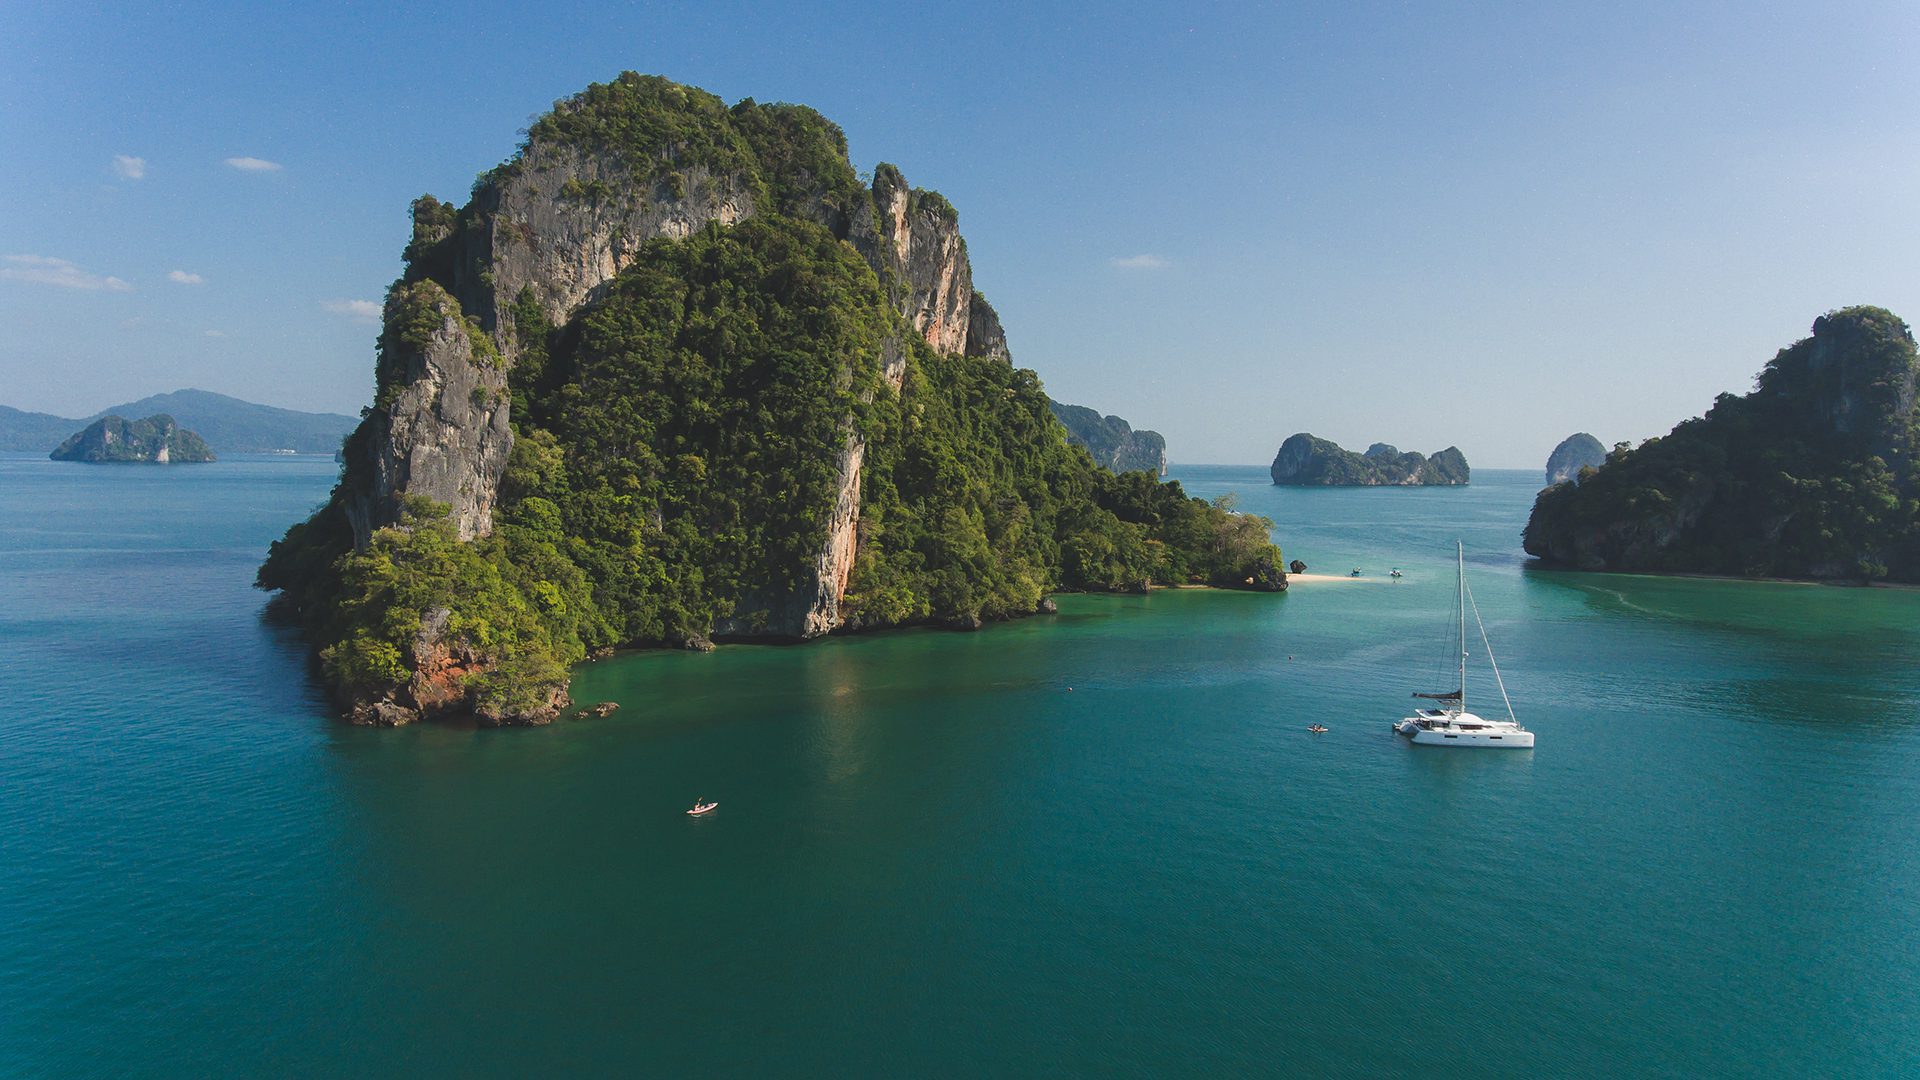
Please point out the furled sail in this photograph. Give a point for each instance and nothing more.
(1451, 695)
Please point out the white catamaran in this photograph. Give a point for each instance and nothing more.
(1451, 724)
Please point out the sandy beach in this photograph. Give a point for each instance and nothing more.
(1343, 579)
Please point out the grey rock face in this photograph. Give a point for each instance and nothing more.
(561, 224)
(1575, 452)
(567, 221)
(984, 334)
(1147, 452)
(441, 430)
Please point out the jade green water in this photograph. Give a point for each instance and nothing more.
(1098, 843)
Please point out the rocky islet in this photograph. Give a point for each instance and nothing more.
(1305, 460)
(155, 440)
(1575, 452)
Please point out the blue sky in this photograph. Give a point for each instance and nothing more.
(1490, 225)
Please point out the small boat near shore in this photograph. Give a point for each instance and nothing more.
(702, 808)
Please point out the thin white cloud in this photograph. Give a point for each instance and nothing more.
(41, 270)
(181, 277)
(128, 167)
(1139, 262)
(361, 311)
(253, 164)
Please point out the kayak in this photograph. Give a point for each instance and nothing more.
(701, 808)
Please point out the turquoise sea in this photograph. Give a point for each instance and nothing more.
(1100, 843)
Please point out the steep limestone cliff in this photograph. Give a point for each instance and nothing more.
(567, 218)
(913, 239)
(439, 427)
(984, 334)
(555, 225)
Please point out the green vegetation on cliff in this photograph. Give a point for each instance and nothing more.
(688, 444)
(683, 457)
(691, 448)
(788, 154)
(655, 125)
(1811, 475)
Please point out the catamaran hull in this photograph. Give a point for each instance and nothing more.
(1504, 740)
(1512, 740)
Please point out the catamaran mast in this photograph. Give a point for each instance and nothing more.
(1460, 553)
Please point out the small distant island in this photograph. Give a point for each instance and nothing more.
(156, 440)
(1575, 452)
(1307, 461)
(1811, 476)
(228, 424)
(1112, 441)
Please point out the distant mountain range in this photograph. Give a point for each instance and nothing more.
(229, 425)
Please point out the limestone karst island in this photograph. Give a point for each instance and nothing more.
(1306, 461)
(939, 541)
(1812, 475)
(674, 375)
(155, 440)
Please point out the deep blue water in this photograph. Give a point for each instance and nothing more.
(1097, 843)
